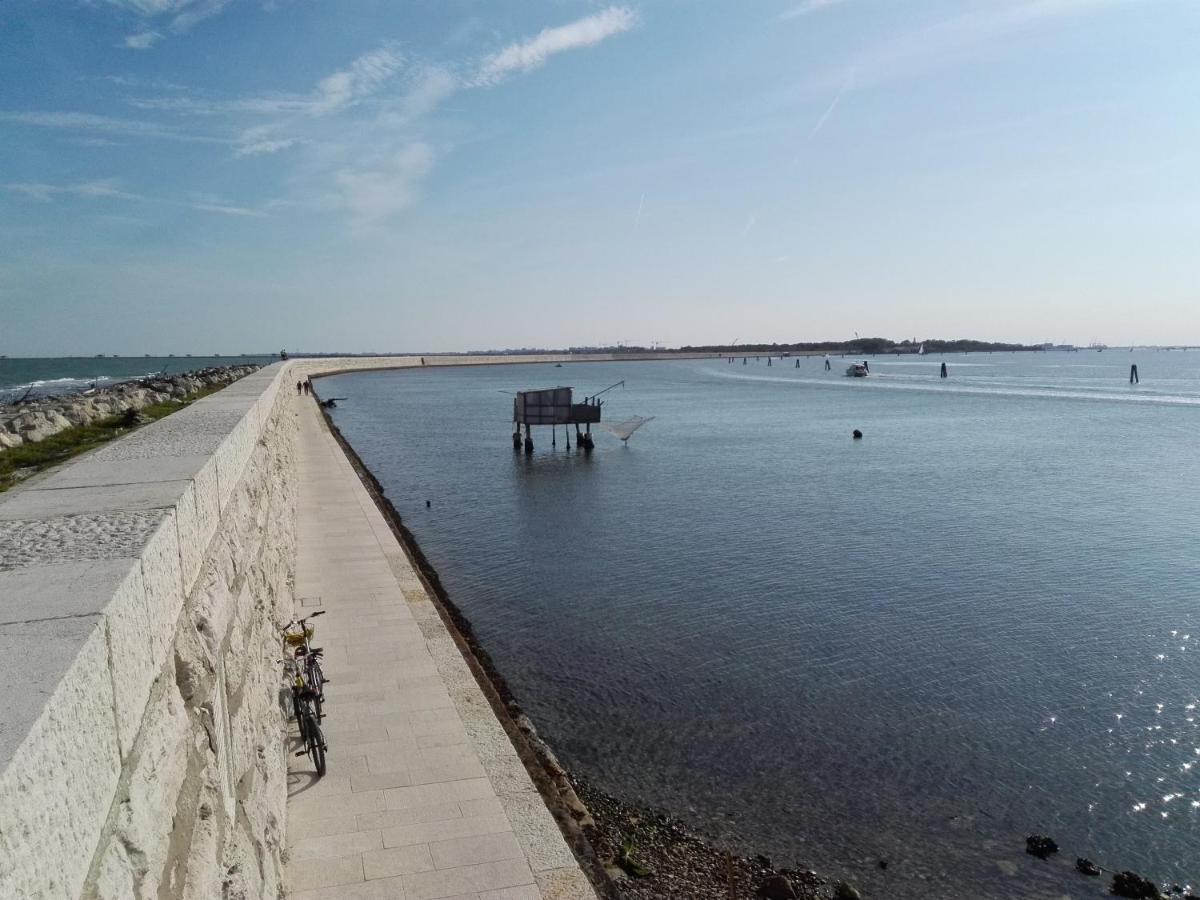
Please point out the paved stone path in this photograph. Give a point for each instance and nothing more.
(424, 795)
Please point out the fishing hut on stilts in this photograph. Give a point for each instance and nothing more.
(554, 407)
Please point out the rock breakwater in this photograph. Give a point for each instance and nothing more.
(35, 419)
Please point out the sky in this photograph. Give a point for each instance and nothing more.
(368, 175)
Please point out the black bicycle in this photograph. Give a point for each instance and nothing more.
(298, 635)
(308, 683)
(310, 727)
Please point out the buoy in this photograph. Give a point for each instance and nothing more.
(428, 504)
(1133, 375)
(857, 435)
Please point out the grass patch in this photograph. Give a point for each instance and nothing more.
(21, 462)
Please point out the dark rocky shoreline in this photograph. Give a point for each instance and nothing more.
(682, 863)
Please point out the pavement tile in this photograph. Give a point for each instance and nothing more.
(446, 830)
(443, 883)
(333, 846)
(474, 849)
(394, 818)
(309, 828)
(397, 861)
(318, 873)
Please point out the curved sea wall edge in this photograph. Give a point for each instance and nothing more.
(142, 586)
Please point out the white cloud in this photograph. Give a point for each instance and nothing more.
(807, 8)
(151, 8)
(104, 125)
(143, 40)
(430, 89)
(530, 54)
(92, 190)
(228, 210)
(181, 16)
(109, 189)
(957, 39)
(195, 12)
(365, 76)
(373, 195)
(264, 148)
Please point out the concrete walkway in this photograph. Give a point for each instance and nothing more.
(424, 796)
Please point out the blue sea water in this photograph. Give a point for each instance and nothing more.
(977, 623)
(64, 375)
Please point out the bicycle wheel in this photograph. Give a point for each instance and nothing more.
(298, 710)
(316, 683)
(315, 744)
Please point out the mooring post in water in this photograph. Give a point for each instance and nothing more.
(1133, 375)
(768, 360)
(528, 440)
(553, 435)
(944, 372)
(797, 363)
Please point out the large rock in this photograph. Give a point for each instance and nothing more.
(1041, 846)
(1130, 884)
(777, 888)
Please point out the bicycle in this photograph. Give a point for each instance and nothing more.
(306, 699)
(300, 642)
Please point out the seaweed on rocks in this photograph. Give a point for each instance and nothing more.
(681, 863)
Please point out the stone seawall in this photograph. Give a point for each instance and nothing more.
(142, 586)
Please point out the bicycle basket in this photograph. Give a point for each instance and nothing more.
(296, 638)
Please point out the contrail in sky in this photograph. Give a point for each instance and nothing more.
(849, 85)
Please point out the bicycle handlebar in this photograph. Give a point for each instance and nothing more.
(300, 622)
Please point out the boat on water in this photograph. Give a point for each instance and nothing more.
(858, 370)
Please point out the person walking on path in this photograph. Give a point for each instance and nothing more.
(299, 388)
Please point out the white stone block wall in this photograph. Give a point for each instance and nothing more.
(141, 593)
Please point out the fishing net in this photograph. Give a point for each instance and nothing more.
(624, 430)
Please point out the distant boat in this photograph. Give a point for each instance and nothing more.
(857, 370)
(921, 350)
